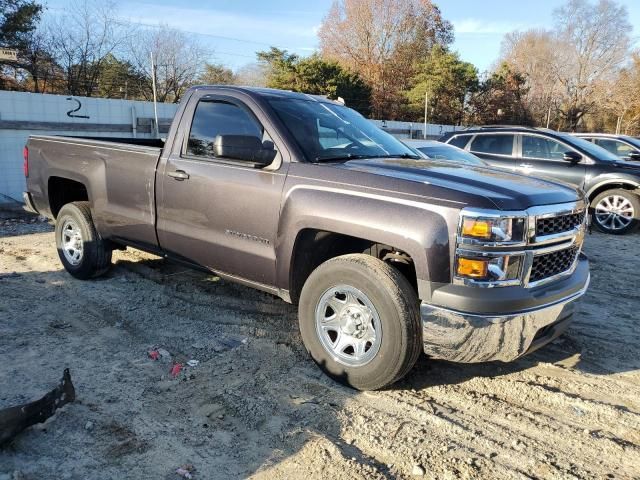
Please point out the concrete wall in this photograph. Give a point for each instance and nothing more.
(23, 114)
(415, 130)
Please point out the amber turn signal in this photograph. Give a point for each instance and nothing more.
(472, 268)
(472, 227)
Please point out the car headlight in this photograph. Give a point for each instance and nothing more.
(492, 229)
(491, 269)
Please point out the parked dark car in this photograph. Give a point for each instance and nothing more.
(441, 151)
(612, 185)
(385, 253)
(622, 146)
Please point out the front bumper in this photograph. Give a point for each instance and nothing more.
(469, 337)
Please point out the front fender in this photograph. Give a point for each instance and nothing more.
(420, 229)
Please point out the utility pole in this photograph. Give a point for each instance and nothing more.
(155, 100)
(426, 112)
(549, 116)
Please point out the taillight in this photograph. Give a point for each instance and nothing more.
(25, 165)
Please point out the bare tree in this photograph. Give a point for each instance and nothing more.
(382, 40)
(621, 98)
(252, 75)
(595, 41)
(179, 59)
(81, 38)
(570, 68)
(534, 54)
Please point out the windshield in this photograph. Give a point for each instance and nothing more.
(591, 148)
(453, 154)
(325, 131)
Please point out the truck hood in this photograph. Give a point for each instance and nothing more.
(508, 191)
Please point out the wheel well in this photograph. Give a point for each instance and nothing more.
(63, 191)
(313, 247)
(612, 186)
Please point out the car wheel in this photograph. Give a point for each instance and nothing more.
(360, 321)
(616, 211)
(81, 250)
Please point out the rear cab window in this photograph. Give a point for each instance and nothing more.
(493, 143)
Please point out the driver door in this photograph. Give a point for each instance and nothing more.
(221, 213)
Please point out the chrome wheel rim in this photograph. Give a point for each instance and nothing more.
(72, 245)
(348, 326)
(614, 212)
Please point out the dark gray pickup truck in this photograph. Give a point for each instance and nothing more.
(385, 253)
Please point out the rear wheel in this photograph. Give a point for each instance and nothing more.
(360, 321)
(81, 250)
(616, 211)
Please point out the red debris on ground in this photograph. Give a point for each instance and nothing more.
(175, 370)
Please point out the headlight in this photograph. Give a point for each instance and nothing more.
(490, 269)
(493, 230)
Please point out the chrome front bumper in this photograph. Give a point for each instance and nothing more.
(469, 338)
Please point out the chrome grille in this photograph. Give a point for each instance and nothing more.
(559, 224)
(550, 264)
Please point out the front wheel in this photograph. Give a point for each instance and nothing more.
(81, 250)
(616, 211)
(360, 321)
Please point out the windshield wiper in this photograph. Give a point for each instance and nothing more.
(397, 155)
(353, 156)
(340, 158)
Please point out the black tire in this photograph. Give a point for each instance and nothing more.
(396, 304)
(605, 225)
(95, 256)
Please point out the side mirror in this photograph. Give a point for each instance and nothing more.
(244, 147)
(573, 157)
(634, 156)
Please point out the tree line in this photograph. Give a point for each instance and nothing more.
(389, 59)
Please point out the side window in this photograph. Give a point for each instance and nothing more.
(459, 141)
(616, 147)
(496, 144)
(220, 126)
(541, 147)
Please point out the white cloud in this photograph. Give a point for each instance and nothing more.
(473, 26)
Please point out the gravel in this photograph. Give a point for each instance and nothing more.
(256, 405)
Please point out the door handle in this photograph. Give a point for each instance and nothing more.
(178, 175)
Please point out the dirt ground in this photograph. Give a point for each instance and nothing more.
(256, 406)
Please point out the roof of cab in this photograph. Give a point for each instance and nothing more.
(268, 93)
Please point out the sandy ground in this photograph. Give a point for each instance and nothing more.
(256, 406)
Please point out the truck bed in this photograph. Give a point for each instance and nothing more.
(119, 175)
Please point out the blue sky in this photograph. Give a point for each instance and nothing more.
(234, 30)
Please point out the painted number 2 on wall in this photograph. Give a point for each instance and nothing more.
(72, 113)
